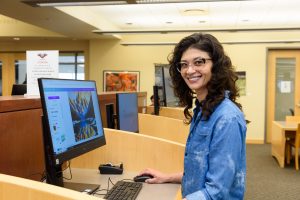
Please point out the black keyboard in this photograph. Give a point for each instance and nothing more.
(124, 190)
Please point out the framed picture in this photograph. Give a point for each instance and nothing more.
(121, 81)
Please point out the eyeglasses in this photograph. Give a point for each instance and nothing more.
(198, 63)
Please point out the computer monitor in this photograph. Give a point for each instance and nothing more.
(19, 89)
(156, 99)
(110, 116)
(72, 125)
(127, 112)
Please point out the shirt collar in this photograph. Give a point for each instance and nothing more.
(226, 94)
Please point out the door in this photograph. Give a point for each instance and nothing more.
(283, 86)
(13, 70)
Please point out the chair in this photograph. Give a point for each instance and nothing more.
(291, 137)
(292, 118)
(294, 142)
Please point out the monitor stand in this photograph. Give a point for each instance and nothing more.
(54, 173)
(81, 187)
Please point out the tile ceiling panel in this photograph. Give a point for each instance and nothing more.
(206, 15)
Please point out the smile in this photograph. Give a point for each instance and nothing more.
(194, 78)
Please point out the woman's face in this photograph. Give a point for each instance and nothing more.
(196, 68)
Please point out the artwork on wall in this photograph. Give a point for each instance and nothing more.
(241, 82)
(121, 81)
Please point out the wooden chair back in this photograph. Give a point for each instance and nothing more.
(292, 118)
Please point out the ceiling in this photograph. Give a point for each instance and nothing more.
(80, 22)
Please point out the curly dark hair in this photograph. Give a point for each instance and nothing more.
(223, 75)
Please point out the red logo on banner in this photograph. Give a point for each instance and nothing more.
(42, 55)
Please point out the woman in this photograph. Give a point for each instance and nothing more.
(215, 158)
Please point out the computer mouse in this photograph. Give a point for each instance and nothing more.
(142, 178)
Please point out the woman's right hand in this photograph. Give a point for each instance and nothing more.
(158, 177)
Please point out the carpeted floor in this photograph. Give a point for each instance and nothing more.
(265, 180)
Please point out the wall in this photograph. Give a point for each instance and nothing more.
(111, 55)
(252, 58)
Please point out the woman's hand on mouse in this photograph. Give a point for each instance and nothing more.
(158, 177)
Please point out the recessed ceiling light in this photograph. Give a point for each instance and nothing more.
(169, 22)
(128, 23)
(202, 21)
(194, 11)
(16, 38)
(245, 20)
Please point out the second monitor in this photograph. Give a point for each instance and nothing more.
(127, 112)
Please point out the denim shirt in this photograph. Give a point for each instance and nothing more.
(215, 155)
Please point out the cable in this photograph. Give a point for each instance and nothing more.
(99, 190)
(46, 175)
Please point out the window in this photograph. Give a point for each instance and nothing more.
(20, 71)
(71, 65)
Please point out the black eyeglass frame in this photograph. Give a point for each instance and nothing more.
(178, 65)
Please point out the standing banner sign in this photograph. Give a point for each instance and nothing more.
(40, 64)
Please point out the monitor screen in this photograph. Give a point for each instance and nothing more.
(127, 112)
(72, 122)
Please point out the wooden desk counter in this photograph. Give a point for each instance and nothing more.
(280, 131)
(148, 192)
(15, 188)
(16, 103)
(21, 149)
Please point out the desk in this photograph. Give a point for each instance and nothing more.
(172, 112)
(148, 192)
(280, 131)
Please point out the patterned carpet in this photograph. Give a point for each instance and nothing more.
(265, 180)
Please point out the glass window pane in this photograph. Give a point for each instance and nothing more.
(20, 71)
(80, 76)
(66, 68)
(68, 63)
(67, 58)
(80, 68)
(80, 58)
(67, 71)
(285, 81)
(80, 72)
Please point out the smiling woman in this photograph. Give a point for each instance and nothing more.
(215, 156)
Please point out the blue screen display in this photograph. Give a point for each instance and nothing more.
(128, 111)
(73, 112)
